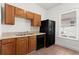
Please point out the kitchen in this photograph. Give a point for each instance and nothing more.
(26, 28)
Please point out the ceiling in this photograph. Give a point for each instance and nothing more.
(48, 5)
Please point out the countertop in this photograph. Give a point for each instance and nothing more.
(17, 36)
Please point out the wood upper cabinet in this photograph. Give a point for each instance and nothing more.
(32, 43)
(8, 47)
(19, 12)
(9, 14)
(22, 46)
(0, 47)
(29, 15)
(37, 20)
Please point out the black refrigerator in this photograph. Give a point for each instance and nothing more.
(48, 27)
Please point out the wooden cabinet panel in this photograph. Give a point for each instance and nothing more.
(0, 47)
(19, 12)
(32, 43)
(22, 46)
(9, 14)
(37, 20)
(8, 47)
(29, 15)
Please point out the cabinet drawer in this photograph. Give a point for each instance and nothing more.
(5, 41)
(22, 38)
(32, 37)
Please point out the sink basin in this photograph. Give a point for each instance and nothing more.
(23, 34)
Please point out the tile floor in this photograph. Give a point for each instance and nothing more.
(54, 50)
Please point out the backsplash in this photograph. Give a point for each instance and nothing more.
(21, 25)
(35, 29)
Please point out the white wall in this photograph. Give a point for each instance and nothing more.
(0, 20)
(53, 14)
(21, 24)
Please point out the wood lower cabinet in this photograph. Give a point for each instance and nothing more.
(37, 20)
(9, 14)
(0, 47)
(18, 46)
(8, 47)
(22, 46)
(32, 43)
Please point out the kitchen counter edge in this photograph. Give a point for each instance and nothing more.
(14, 36)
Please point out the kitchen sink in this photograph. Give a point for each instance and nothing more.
(23, 34)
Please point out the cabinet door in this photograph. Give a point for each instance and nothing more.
(8, 47)
(29, 15)
(0, 47)
(22, 46)
(32, 43)
(37, 20)
(9, 14)
(19, 12)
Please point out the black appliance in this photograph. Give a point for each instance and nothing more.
(48, 27)
(40, 42)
